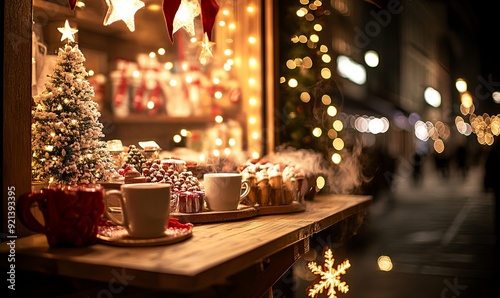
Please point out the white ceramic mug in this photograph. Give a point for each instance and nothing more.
(223, 191)
(145, 208)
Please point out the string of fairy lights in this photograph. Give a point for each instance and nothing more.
(437, 132)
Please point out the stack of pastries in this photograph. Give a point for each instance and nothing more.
(272, 184)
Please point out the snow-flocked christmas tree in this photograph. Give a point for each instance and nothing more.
(67, 145)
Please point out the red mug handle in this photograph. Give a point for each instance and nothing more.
(24, 211)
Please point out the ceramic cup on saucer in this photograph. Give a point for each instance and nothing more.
(145, 208)
(223, 191)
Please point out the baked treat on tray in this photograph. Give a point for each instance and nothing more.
(249, 175)
(275, 184)
(131, 175)
(264, 187)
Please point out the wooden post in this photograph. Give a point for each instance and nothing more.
(16, 154)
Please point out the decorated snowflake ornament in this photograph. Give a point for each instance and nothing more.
(329, 277)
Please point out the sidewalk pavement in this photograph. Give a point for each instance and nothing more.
(439, 236)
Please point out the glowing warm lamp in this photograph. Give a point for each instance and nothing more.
(123, 10)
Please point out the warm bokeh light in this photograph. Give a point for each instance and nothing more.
(255, 155)
(326, 99)
(293, 83)
(317, 132)
(351, 70)
(432, 97)
(384, 263)
(332, 133)
(150, 105)
(168, 65)
(177, 138)
(338, 125)
(320, 182)
(466, 99)
(331, 111)
(338, 144)
(496, 97)
(439, 146)
(305, 97)
(336, 158)
(461, 85)
(326, 73)
(301, 12)
(371, 58)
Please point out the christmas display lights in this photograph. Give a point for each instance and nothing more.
(308, 85)
(122, 10)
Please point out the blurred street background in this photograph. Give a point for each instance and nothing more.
(437, 235)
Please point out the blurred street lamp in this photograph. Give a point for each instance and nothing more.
(432, 97)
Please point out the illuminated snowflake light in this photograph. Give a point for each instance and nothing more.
(329, 277)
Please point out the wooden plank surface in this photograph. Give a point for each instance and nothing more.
(214, 252)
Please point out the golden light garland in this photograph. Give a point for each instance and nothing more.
(485, 127)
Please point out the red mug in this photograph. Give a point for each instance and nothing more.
(71, 213)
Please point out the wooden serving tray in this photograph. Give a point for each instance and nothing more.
(242, 212)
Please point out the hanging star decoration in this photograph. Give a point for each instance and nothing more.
(122, 10)
(190, 9)
(206, 49)
(67, 32)
(329, 276)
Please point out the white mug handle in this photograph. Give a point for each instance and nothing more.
(118, 194)
(247, 189)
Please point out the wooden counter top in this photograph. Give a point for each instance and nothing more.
(215, 252)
